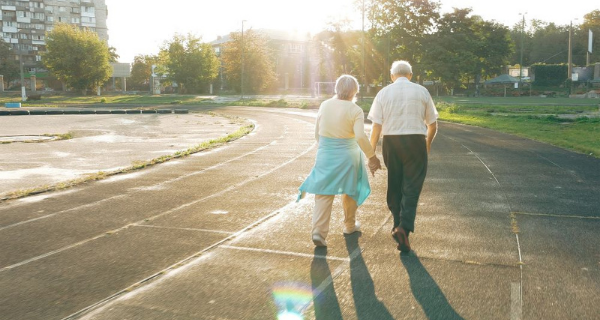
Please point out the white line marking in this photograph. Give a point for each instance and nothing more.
(97, 307)
(287, 253)
(556, 215)
(224, 191)
(184, 229)
(88, 205)
(516, 309)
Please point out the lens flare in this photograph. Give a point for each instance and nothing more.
(291, 299)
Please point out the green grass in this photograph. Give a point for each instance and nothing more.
(518, 101)
(139, 99)
(579, 134)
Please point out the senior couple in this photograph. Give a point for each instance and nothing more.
(404, 113)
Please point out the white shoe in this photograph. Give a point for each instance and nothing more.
(356, 228)
(319, 241)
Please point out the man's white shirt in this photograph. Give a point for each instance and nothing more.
(403, 108)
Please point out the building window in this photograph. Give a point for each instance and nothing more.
(9, 23)
(88, 9)
(75, 20)
(75, 10)
(88, 19)
(62, 9)
(50, 9)
(50, 19)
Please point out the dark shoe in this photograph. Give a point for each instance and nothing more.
(401, 237)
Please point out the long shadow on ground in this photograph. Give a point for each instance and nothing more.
(363, 289)
(426, 291)
(325, 300)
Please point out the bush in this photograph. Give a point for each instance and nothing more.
(448, 107)
(550, 74)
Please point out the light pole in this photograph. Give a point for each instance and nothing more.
(23, 92)
(570, 56)
(569, 70)
(521, 59)
(362, 94)
(20, 53)
(242, 73)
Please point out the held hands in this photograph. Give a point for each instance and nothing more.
(374, 164)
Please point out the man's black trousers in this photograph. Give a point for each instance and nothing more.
(405, 157)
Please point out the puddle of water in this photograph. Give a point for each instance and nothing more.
(45, 171)
(121, 177)
(25, 138)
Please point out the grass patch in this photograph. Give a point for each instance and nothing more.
(55, 100)
(581, 134)
(137, 165)
(61, 136)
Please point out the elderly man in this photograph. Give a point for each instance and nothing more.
(406, 116)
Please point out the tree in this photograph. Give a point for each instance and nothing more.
(466, 47)
(259, 73)
(403, 24)
(141, 70)
(77, 57)
(190, 63)
(9, 68)
(112, 54)
(591, 21)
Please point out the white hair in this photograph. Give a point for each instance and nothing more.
(401, 68)
(346, 87)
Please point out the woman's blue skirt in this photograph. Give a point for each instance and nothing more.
(339, 169)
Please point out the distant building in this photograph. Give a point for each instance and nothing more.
(25, 23)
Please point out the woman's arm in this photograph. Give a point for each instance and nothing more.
(361, 137)
(317, 127)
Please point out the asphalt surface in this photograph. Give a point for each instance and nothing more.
(506, 229)
(100, 142)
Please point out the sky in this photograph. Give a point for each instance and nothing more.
(142, 26)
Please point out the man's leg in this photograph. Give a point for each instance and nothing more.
(395, 175)
(322, 215)
(415, 170)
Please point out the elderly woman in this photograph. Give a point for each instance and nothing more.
(339, 167)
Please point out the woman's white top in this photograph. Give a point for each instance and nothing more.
(343, 119)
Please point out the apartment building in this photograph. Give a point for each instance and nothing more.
(25, 23)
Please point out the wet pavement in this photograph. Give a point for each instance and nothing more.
(506, 229)
(96, 143)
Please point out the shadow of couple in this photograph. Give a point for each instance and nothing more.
(326, 305)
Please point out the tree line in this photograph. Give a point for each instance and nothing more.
(454, 48)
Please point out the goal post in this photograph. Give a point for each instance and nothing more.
(324, 88)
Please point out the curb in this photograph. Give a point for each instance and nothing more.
(39, 112)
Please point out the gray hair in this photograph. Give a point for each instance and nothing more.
(346, 87)
(401, 68)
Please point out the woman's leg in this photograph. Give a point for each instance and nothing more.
(322, 215)
(350, 207)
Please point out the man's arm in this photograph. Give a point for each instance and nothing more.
(375, 134)
(431, 132)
